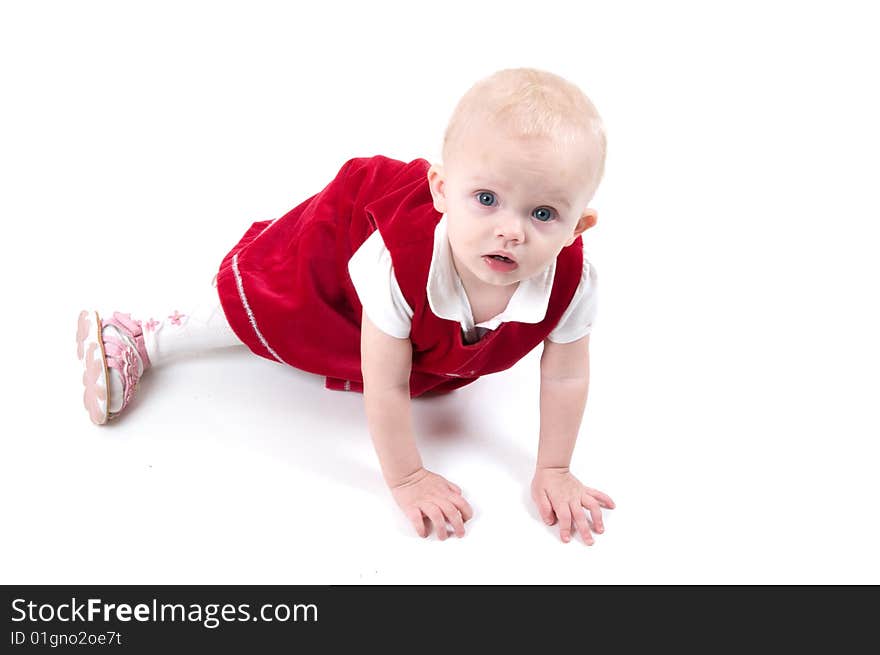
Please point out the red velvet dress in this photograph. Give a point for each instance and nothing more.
(287, 295)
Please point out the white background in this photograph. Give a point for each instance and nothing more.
(733, 405)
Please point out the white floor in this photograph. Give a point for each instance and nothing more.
(233, 469)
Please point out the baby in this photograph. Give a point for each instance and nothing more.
(402, 279)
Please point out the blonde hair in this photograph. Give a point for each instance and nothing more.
(531, 102)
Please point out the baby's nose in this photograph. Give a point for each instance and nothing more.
(509, 226)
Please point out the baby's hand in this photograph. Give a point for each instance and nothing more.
(426, 493)
(558, 493)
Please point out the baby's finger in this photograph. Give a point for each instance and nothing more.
(454, 487)
(564, 514)
(467, 513)
(453, 516)
(433, 512)
(418, 521)
(580, 520)
(595, 512)
(604, 499)
(545, 509)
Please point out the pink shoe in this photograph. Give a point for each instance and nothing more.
(100, 352)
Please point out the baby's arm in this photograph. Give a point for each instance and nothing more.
(386, 363)
(565, 379)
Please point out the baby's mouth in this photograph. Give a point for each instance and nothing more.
(499, 262)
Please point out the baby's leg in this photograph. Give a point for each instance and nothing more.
(119, 348)
(187, 329)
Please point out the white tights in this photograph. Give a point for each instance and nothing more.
(187, 330)
(175, 332)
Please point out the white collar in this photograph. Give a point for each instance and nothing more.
(448, 299)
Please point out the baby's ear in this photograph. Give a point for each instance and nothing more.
(585, 222)
(437, 184)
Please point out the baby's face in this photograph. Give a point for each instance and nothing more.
(514, 196)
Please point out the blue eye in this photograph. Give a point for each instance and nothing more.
(546, 214)
(486, 198)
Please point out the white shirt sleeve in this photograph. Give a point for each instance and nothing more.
(372, 275)
(577, 321)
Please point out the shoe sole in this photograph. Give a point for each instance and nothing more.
(96, 375)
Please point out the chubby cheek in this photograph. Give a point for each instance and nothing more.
(544, 251)
(464, 233)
